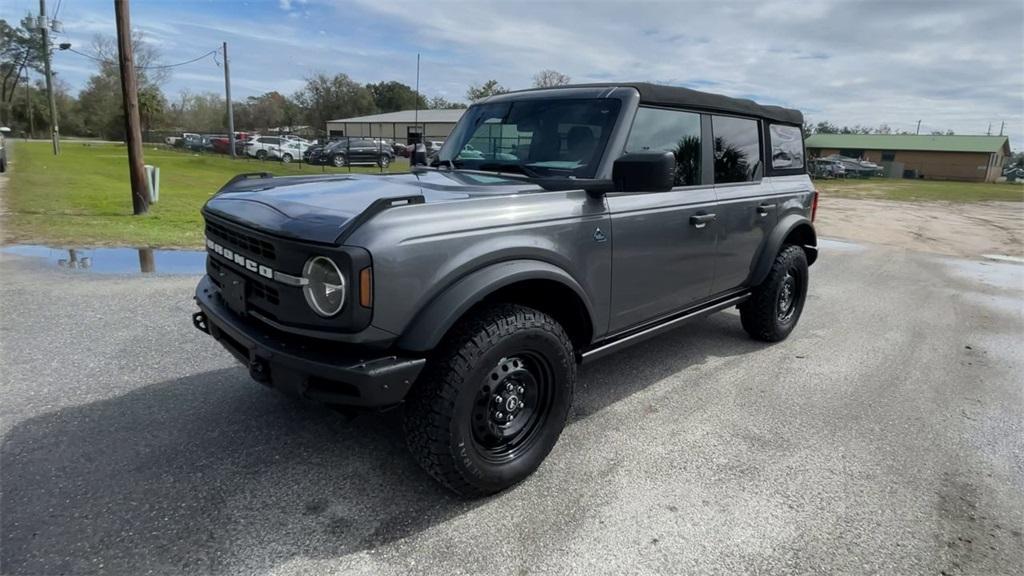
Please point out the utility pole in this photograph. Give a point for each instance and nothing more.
(130, 96)
(918, 131)
(44, 27)
(227, 95)
(28, 107)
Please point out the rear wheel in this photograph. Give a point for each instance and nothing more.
(775, 305)
(261, 154)
(286, 158)
(493, 401)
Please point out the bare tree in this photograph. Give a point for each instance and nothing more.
(146, 56)
(548, 78)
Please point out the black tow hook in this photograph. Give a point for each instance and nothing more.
(259, 371)
(199, 321)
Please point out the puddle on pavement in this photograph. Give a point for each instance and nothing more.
(999, 274)
(834, 245)
(115, 260)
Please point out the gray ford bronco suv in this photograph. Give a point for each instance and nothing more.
(554, 227)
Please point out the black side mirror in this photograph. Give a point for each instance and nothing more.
(644, 172)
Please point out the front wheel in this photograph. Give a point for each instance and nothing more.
(775, 305)
(287, 158)
(493, 401)
(384, 161)
(338, 161)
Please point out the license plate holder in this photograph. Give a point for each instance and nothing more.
(232, 291)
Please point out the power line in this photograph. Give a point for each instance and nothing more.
(158, 67)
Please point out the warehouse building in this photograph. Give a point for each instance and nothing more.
(968, 158)
(405, 127)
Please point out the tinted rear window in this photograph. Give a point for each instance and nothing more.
(737, 149)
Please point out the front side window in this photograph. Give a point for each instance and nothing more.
(787, 147)
(737, 149)
(550, 138)
(659, 130)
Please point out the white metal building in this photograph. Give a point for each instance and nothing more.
(405, 126)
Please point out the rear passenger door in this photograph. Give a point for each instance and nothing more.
(663, 243)
(746, 210)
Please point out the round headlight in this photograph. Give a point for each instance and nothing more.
(325, 286)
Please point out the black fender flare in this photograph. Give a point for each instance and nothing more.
(434, 320)
(782, 230)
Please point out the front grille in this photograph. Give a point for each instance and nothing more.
(261, 290)
(256, 288)
(246, 242)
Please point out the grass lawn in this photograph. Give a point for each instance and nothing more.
(921, 190)
(82, 197)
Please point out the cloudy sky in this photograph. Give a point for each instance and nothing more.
(951, 65)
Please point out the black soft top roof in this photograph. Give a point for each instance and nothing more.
(676, 96)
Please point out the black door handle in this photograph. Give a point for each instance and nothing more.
(763, 209)
(701, 220)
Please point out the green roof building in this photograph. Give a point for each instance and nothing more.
(968, 158)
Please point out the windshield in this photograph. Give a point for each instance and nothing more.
(548, 138)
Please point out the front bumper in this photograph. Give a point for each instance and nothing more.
(304, 367)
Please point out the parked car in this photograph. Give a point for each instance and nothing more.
(262, 147)
(289, 151)
(355, 151)
(221, 144)
(468, 294)
(4, 131)
(823, 168)
(194, 142)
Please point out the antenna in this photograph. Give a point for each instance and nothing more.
(416, 114)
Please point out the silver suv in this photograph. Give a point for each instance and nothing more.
(555, 226)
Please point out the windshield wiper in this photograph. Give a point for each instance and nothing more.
(506, 167)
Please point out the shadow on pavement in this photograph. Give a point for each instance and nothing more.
(211, 472)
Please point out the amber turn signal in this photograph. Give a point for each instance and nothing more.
(366, 287)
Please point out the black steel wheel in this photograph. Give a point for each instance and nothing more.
(775, 305)
(512, 406)
(493, 400)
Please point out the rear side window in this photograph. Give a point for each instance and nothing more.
(787, 147)
(675, 131)
(737, 149)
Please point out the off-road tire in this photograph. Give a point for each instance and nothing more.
(440, 410)
(261, 154)
(762, 315)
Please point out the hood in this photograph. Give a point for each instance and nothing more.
(323, 207)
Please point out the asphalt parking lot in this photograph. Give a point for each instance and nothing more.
(886, 436)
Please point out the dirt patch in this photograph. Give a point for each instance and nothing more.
(956, 229)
